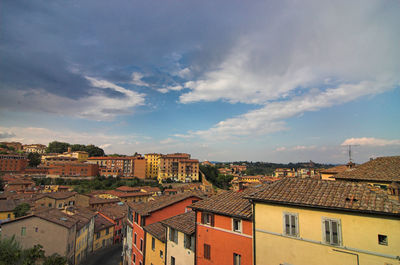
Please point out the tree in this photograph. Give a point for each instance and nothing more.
(34, 159)
(21, 210)
(10, 251)
(94, 150)
(55, 259)
(57, 147)
(31, 255)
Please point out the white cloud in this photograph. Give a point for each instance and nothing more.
(170, 88)
(137, 79)
(97, 105)
(184, 73)
(280, 149)
(370, 141)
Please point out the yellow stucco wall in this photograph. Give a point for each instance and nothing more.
(152, 165)
(81, 244)
(5, 215)
(358, 232)
(153, 256)
(108, 238)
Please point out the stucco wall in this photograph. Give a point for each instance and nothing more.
(153, 256)
(182, 255)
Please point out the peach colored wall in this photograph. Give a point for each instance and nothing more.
(221, 252)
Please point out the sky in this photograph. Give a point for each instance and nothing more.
(275, 81)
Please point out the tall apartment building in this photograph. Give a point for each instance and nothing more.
(128, 166)
(152, 163)
(179, 167)
(13, 163)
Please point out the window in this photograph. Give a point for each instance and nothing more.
(60, 205)
(207, 251)
(153, 243)
(23, 231)
(382, 240)
(9, 216)
(207, 218)
(291, 226)
(237, 259)
(134, 258)
(332, 232)
(107, 231)
(237, 225)
(142, 221)
(173, 235)
(172, 260)
(161, 254)
(97, 235)
(134, 239)
(141, 244)
(50, 205)
(189, 242)
(140, 263)
(136, 217)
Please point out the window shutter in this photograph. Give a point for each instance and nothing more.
(185, 243)
(192, 244)
(202, 218)
(212, 219)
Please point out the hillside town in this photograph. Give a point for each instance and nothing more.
(170, 212)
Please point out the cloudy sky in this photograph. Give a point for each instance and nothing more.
(274, 81)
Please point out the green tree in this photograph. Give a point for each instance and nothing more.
(55, 259)
(94, 150)
(10, 251)
(34, 159)
(57, 147)
(31, 255)
(21, 210)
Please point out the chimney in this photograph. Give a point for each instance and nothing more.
(394, 191)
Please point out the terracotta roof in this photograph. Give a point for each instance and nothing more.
(157, 230)
(97, 200)
(150, 189)
(58, 195)
(379, 169)
(7, 205)
(114, 212)
(101, 223)
(185, 222)
(230, 203)
(122, 194)
(325, 194)
(81, 215)
(336, 169)
(126, 188)
(145, 208)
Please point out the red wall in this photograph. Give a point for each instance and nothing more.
(223, 243)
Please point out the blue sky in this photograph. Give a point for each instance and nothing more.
(275, 81)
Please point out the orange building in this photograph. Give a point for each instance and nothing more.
(224, 231)
(142, 214)
(74, 169)
(128, 166)
(179, 167)
(13, 163)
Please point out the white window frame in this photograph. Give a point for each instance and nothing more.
(339, 231)
(240, 225)
(296, 215)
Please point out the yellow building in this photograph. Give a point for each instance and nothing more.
(313, 222)
(80, 155)
(152, 163)
(155, 244)
(6, 210)
(103, 233)
(178, 167)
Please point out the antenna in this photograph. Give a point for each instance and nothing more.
(349, 147)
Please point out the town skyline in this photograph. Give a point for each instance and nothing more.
(274, 82)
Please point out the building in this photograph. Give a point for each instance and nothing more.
(178, 167)
(152, 164)
(103, 232)
(155, 243)
(97, 202)
(13, 163)
(284, 172)
(80, 155)
(34, 148)
(40, 228)
(242, 182)
(116, 214)
(181, 239)
(113, 166)
(19, 185)
(207, 163)
(308, 221)
(330, 173)
(138, 196)
(223, 218)
(73, 170)
(7, 210)
(48, 160)
(60, 200)
(142, 214)
(380, 172)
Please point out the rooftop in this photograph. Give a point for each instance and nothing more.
(157, 230)
(7, 205)
(58, 195)
(101, 223)
(185, 222)
(325, 194)
(115, 212)
(379, 169)
(145, 208)
(230, 203)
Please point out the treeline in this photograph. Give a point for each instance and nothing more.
(61, 147)
(98, 183)
(218, 180)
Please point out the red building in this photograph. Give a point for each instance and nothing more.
(13, 163)
(117, 215)
(224, 230)
(142, 214)
(74, 169)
